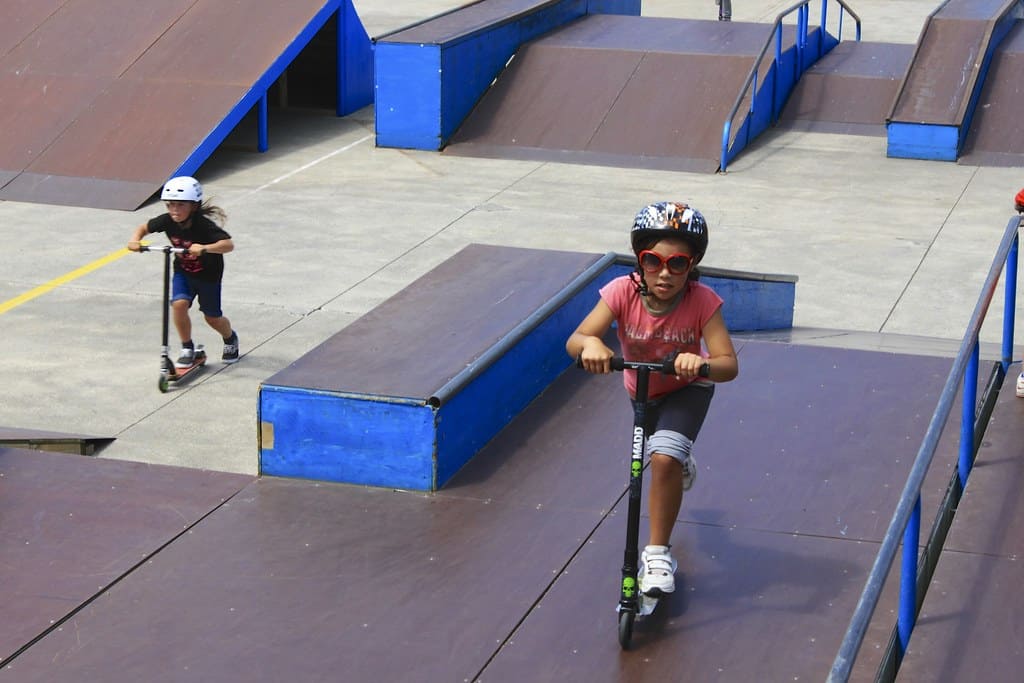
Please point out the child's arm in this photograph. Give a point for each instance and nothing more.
(135, 242)
(223, 246)
(722, 357)
(587, 342)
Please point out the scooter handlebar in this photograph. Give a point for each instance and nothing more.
(167, 249)
(667, 367)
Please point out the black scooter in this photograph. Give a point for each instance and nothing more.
(168, 372)
(633, 602)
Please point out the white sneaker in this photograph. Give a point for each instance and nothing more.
(690, 465)
(657, 571)
(1020, 385)
(186, 358)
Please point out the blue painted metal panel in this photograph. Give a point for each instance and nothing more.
(355, 62)
(628, 7)
(408, 96)
(766, 109)
(751, 305)
(922, 141)
(358, 440)
(488, 403)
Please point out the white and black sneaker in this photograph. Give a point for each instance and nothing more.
(186, 358)
(230, 354)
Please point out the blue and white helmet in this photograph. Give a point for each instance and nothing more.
(670, 219)
(182, 189)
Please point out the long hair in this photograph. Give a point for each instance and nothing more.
(213, 212)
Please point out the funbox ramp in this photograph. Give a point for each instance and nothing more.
(115, 96)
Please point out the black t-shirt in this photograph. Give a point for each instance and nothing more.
(208, 267)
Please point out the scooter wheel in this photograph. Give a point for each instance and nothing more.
(162, 384)
(625, 628)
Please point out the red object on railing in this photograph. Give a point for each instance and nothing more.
(1019, 201)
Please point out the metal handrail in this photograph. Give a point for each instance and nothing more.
(802, 29)
(965, 370)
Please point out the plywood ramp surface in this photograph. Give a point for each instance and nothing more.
(617, 90)
(115, 95)
(510, 572)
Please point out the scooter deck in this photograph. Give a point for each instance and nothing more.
(172, 374)
(645, 605)
(177, 374)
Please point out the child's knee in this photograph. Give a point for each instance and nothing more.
(665, 466)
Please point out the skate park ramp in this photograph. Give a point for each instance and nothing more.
(511, 571)
(849, 90)
(587, 93)
(940, 95)
(996, 134)
(60, 442)
(115, 96)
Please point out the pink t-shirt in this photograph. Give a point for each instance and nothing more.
(650, 337)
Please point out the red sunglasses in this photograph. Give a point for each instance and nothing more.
(652, 262)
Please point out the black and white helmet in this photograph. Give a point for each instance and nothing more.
(670, 219)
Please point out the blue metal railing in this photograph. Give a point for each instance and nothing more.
(750, 86)
(906, 521)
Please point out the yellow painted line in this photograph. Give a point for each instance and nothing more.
(62, 280)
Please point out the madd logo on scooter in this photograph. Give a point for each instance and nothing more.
(638, 448)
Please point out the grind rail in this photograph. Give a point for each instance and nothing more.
(916, 571)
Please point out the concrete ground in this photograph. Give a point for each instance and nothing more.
(889, 253)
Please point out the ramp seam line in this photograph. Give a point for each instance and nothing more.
(36, 28)
(931, 244)
(618, 96)
(115, 581)
(551, 584)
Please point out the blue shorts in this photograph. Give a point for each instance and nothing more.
(185, 288)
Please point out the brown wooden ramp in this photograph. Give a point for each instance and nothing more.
(510, 572)
(70, 527)
(996, 135)
(61, 442)
(951, 47)
(972, 622)
(617, 90)
(849, 90)
(112, 96)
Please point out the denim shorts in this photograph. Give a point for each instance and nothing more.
(185, 288)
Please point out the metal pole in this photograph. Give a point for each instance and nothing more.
(908, 578)
(1010, 303)
(967, 411)
(262, 143)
